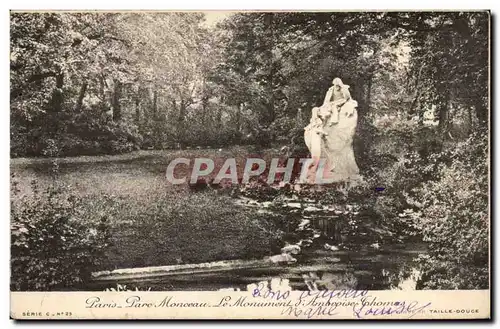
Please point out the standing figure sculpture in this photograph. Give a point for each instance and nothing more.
(330, 133)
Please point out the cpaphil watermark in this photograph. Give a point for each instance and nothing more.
(313, 171)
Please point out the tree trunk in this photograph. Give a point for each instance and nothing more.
(357, 93)
(470, 119)
(57, 95)
(481, 111)
(180, 123)
(102, 89)
(117, 111)
(218, 117)
(204, 107)
(369, 91)
(81, 96)
(138, 106)
(54, 123)
(418, 91)
(155, 104)
(238, 117)
(362, 140)
(270, 27)
(444, 115)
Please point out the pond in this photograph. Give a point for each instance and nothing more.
(325, 246)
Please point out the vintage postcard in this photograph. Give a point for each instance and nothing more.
(250, 165)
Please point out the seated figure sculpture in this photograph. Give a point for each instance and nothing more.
(328, 114)
(337, 95)
(330, 134)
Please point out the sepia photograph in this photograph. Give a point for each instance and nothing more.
(311, 164)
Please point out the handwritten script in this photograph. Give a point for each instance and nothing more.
(310, 304)
(376, 308)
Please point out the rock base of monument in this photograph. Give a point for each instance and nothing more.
(332, 149)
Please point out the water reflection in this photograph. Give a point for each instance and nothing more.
(319, 280)
(339, 248)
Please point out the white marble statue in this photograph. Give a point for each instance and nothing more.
(330, 134)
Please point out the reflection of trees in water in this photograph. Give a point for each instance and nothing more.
(330, 281)
(404, 277)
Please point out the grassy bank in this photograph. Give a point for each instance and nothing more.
(150, 221)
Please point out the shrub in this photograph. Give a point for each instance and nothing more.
(452, 214)
(86, 133)
(53, 248)
(437, 190)
(283, 128)
(401, 157)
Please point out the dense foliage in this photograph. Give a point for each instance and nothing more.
(54, 245)
(114, 82)
(452, 213)
(439, 193)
